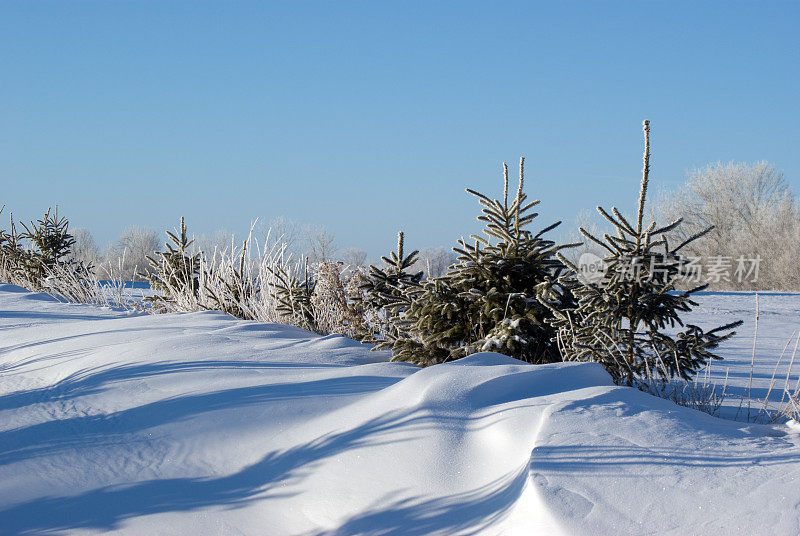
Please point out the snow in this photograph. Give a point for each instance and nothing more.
(778, 329)
(201, 424)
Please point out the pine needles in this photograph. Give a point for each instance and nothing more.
(621, 319)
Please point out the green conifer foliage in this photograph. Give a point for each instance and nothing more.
(11, 252)
(236, 285)
(294, 298)
(492, 297)
(620, 318)
(175, 272)
(4, 236)
(387, 292)
(50, 238)
(32, 255)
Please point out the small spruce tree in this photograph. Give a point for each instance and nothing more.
(491, 298)
(32, 255)
(294, 297)
(174, 272)
(387, 292)
(4, 236)
(229, 291)
(620, 318)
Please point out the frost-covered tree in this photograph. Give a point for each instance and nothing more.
(621, 318)
(387, 292)
(320, 244)
(753, 214)
(294, 297)
(174, 272)
(290, 233)
(491, 299)
(434, 262)
(353, 258)
(85, 248)
(219, 242)
(336, 300)
(43, 247)
(129, 255)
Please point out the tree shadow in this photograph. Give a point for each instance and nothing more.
(271, 477)
(105, 429)
(463, 513)
(59, 340)
(613, 459)
(96, 380)
(51, 317)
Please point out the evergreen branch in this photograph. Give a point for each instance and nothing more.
(619, 225)
(622, 219)
(693, 238)
(567, 263)
(668, 228)
(645, 176)
(479, 195)
(505, 186)
(547, 229)
(597, 241)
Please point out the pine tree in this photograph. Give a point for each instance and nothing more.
(4, 236)
(9, 250)
(175, 272)
(387, 292)
(620, 318)
(230, 290)
(491, 298)
(294, 297)
(50, 238)
(49, 245)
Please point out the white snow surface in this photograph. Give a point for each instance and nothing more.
(203, 424)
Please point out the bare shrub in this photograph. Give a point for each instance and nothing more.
(104, 288)
(335, 301)
(700, 393)
(240, 280)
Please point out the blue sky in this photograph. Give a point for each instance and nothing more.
(369, 117)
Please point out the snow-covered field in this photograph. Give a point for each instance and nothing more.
(778, 331)
(203, 424)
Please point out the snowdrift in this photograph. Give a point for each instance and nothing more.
(203, 424)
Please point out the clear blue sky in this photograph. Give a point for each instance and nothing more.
(369, 117)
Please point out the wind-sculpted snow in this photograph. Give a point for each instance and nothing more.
(203, 424)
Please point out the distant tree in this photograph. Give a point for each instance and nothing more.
(753, 213)
(288, 232)
(320, 244)
(353, 257)
(434, 262)
(220, 241)
(134, 246)
(85, 248)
